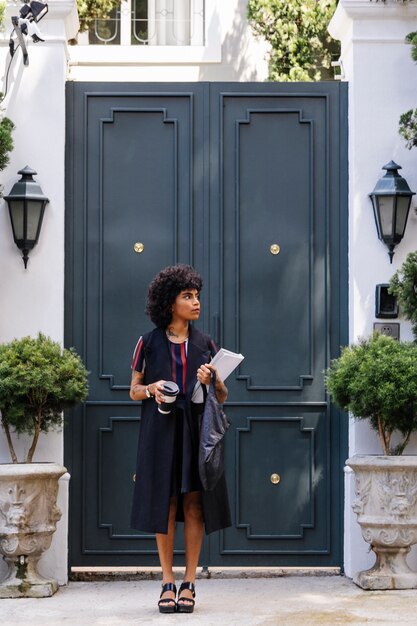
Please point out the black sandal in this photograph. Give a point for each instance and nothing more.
(186, 608)
(164, 607)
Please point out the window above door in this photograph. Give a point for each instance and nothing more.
(153, 31)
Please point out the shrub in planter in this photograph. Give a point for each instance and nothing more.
(37, 381)
(376, 380)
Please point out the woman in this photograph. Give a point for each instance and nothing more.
(167, 487)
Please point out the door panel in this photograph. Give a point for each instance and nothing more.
(274, 187)
(213, 175)
(278, 300)
(138, 179)
(290, 517)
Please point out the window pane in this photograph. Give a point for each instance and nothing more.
(34, 213)
(16, 214)
(152, 22)
(386, 211)
(402, 214)
(139, 22)
(106, 31)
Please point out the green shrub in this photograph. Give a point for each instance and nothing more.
(38, 380)
(377, 380)
(90, 10)
(301, 47)
(6, 125)
(6, 140)
(408, 120)
(403, 285)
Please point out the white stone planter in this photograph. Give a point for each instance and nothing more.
(386, 506)
(28, 517)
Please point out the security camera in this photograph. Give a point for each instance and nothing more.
(24, 25)
(31, 29)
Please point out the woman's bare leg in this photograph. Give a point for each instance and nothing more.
(193, 537)
(165, 545)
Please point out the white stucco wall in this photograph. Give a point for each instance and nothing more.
(32, 300)
(382, 85)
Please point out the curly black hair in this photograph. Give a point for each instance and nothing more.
(165, 287)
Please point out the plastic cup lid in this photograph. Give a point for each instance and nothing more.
(170, 388)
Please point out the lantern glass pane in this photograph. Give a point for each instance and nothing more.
(17, 208)
(34, 214)
(403, 203)
(386, 214)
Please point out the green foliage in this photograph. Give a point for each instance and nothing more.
(6, 139)
(90, 10)
(408, 128)
(377, 380)
(408, 120)
(404, 285)
(37, 381)
(301, 47)
(2, 12)
(412, 39)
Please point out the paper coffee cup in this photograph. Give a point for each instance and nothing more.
(170, 391)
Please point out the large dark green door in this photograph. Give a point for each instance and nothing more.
(248, 183)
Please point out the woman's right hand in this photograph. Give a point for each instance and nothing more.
(138, 388)
(155, 390)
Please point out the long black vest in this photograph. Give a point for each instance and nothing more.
(151, 497)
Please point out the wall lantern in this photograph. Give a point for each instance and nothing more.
(391, 201)
(26, 207)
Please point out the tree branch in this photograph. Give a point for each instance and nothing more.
(384, 442)
(9, 441)
(36, 434)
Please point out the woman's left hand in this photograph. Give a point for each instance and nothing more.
(204, 373)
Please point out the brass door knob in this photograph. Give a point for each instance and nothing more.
(138, 247)
(275, 479)
(274, 249)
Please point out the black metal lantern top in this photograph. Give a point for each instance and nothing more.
(391, 200)
(26, 203)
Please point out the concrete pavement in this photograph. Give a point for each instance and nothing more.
(286, 600)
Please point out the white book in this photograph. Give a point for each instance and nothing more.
(225, 361)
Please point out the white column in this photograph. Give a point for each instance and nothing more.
(197, 22)
(382, 78)
(163, 9)
(126, 22)
(181, 23)
(32, 300)
(152, 39)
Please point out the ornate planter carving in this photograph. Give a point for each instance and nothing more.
(386, 506)
(28, 517)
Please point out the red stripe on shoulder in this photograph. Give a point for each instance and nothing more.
(213, 345)
(137, 352)
(184, 366)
